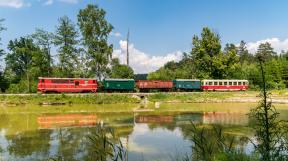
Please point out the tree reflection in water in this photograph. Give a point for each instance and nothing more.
(69, 142)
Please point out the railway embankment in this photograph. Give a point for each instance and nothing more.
(280, 97)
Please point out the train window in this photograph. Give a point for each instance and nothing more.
(239, 83)
(230, 83)
(244, 83)
(225, 83)
(210, 83)
(235, 83)
(220, 83)
(215, 83)
(206, 83)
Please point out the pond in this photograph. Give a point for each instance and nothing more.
(38, 132)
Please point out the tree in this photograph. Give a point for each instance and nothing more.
(121, 70)
(273, 67)
(2, 28)
(3, 81)
(244, 54)
(208, 59)
(203, 51)
(26, 60)
(44, 39)
(66, 39)
(95, 30)
(265, 52)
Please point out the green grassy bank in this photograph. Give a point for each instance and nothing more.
(68, 99)
(114, 98)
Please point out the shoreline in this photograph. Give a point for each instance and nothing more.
(277, 97)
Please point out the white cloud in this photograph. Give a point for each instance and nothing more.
(13, 3)
(70, 1)
(115, 34)
(48, 2)
(142, 62)
(276, 43)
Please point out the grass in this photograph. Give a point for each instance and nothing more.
(68, 99)
(190, 97)
(118, 98)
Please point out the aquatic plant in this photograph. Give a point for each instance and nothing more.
(105, 146)
(212, 144)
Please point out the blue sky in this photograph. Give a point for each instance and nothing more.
(159, 27)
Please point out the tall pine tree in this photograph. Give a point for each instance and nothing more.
(66, 39)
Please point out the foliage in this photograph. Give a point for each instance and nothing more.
(205, 49)
(44, 39)
(66, 39)
(4, 84)
(67, 99)
(266, 52)
(243, 53)
(26, 61)
(212, 144)
(207, 61)
(175, 70)
(120, 70)
(2, 28)
(106, 146)
(95, 30)
(270, 132)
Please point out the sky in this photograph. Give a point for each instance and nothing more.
(160, 30)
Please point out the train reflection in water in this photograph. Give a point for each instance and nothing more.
(82, 120)
(66, 120)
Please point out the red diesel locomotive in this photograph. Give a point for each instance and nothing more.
(67, 85)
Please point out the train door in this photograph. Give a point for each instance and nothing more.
(77, 83)
(41, 85)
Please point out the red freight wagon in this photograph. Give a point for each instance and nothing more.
(225, 85)
(67, 85)
(154, 84)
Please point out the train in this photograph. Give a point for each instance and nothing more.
(87, 85)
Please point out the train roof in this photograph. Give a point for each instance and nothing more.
(224, 80)
(66, 78)
(116, 79)
(187, 79)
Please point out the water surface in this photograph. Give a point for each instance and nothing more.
(38, 132)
